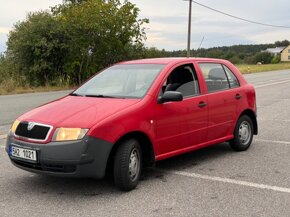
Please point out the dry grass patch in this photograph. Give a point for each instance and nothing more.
(18, 90)
(245, 69)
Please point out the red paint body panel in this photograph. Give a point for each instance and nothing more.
(173, 128)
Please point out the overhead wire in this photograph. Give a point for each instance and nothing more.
(240, 18)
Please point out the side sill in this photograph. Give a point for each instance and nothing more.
(192, 148)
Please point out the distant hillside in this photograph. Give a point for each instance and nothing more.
(237, 53)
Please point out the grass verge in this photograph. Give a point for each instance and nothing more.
(19, 90)
(247, 69)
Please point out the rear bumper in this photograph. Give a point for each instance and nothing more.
(83, 158)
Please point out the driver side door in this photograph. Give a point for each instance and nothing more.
(181, 125)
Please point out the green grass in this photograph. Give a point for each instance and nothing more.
(246, 69)
(20, 90)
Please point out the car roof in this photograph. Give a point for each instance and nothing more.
(171, 60)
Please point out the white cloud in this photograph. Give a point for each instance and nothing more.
(4, 30)
(218, 30)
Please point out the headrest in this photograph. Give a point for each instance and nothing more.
(216, 74)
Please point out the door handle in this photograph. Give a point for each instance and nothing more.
(238, 96)
(201, 104)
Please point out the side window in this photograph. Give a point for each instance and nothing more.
(182, 79)
(232, 78)
(215, 76)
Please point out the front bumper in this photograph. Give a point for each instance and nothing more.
(83, 158)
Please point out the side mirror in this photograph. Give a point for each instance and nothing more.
(170, 96)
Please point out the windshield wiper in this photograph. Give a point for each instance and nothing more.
(75, 94)
(100, 96)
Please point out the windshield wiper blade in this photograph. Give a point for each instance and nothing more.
(100, 96)
(75, 94)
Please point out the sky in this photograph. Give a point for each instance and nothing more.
(169, 19)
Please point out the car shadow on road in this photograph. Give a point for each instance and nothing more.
(67, 187)
(195, 158)
(191, 160)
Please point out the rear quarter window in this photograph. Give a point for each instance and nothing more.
(234, 82)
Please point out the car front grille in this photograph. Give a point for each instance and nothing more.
(33, 131)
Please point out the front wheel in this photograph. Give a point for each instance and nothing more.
(243, 134)
(127, 165)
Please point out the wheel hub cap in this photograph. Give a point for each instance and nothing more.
(134, 164)
(245, 133)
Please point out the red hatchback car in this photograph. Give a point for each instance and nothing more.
(133, 114)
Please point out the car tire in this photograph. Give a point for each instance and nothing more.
(127, 165)
(243, 134)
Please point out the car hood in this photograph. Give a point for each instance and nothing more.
(77, 111)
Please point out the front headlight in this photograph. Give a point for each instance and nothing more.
(66, 134)
(14, 126)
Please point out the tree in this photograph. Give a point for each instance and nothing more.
(235, 59)
(283, 43)
(101, 32)
(75, 39)
(215, 53)
(263, 57)
(39, 46)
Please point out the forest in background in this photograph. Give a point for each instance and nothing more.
(237, 54)
(66, 45)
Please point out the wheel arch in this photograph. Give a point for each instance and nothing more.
(253, 117)
(148, 156)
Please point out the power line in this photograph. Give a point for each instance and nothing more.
(240, 18)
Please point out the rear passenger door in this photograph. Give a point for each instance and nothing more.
(223, 98)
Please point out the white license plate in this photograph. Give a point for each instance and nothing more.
(23, 153)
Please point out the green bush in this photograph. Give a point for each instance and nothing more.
(276, 59)
(235, 60)
(263, 57)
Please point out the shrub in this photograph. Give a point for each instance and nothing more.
(276, 59)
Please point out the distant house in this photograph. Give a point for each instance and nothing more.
(283, 51)
(275, 51)
(285, 54)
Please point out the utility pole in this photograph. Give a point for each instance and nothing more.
(189, 29)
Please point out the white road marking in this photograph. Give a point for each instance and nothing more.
(273, 141)
(232, 181)
(270, 84)
(274, 120)
(269, 81)
(260, 83)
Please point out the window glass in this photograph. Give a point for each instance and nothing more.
(123, 81)
(288, 50)
(214, 76)
(288, 57)
(232, 78)
(182, 79)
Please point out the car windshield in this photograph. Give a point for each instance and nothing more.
(121, 81)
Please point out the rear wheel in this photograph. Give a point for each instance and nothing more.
(243, 134)
(127, 165)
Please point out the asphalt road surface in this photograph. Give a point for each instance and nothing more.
(214, 181)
